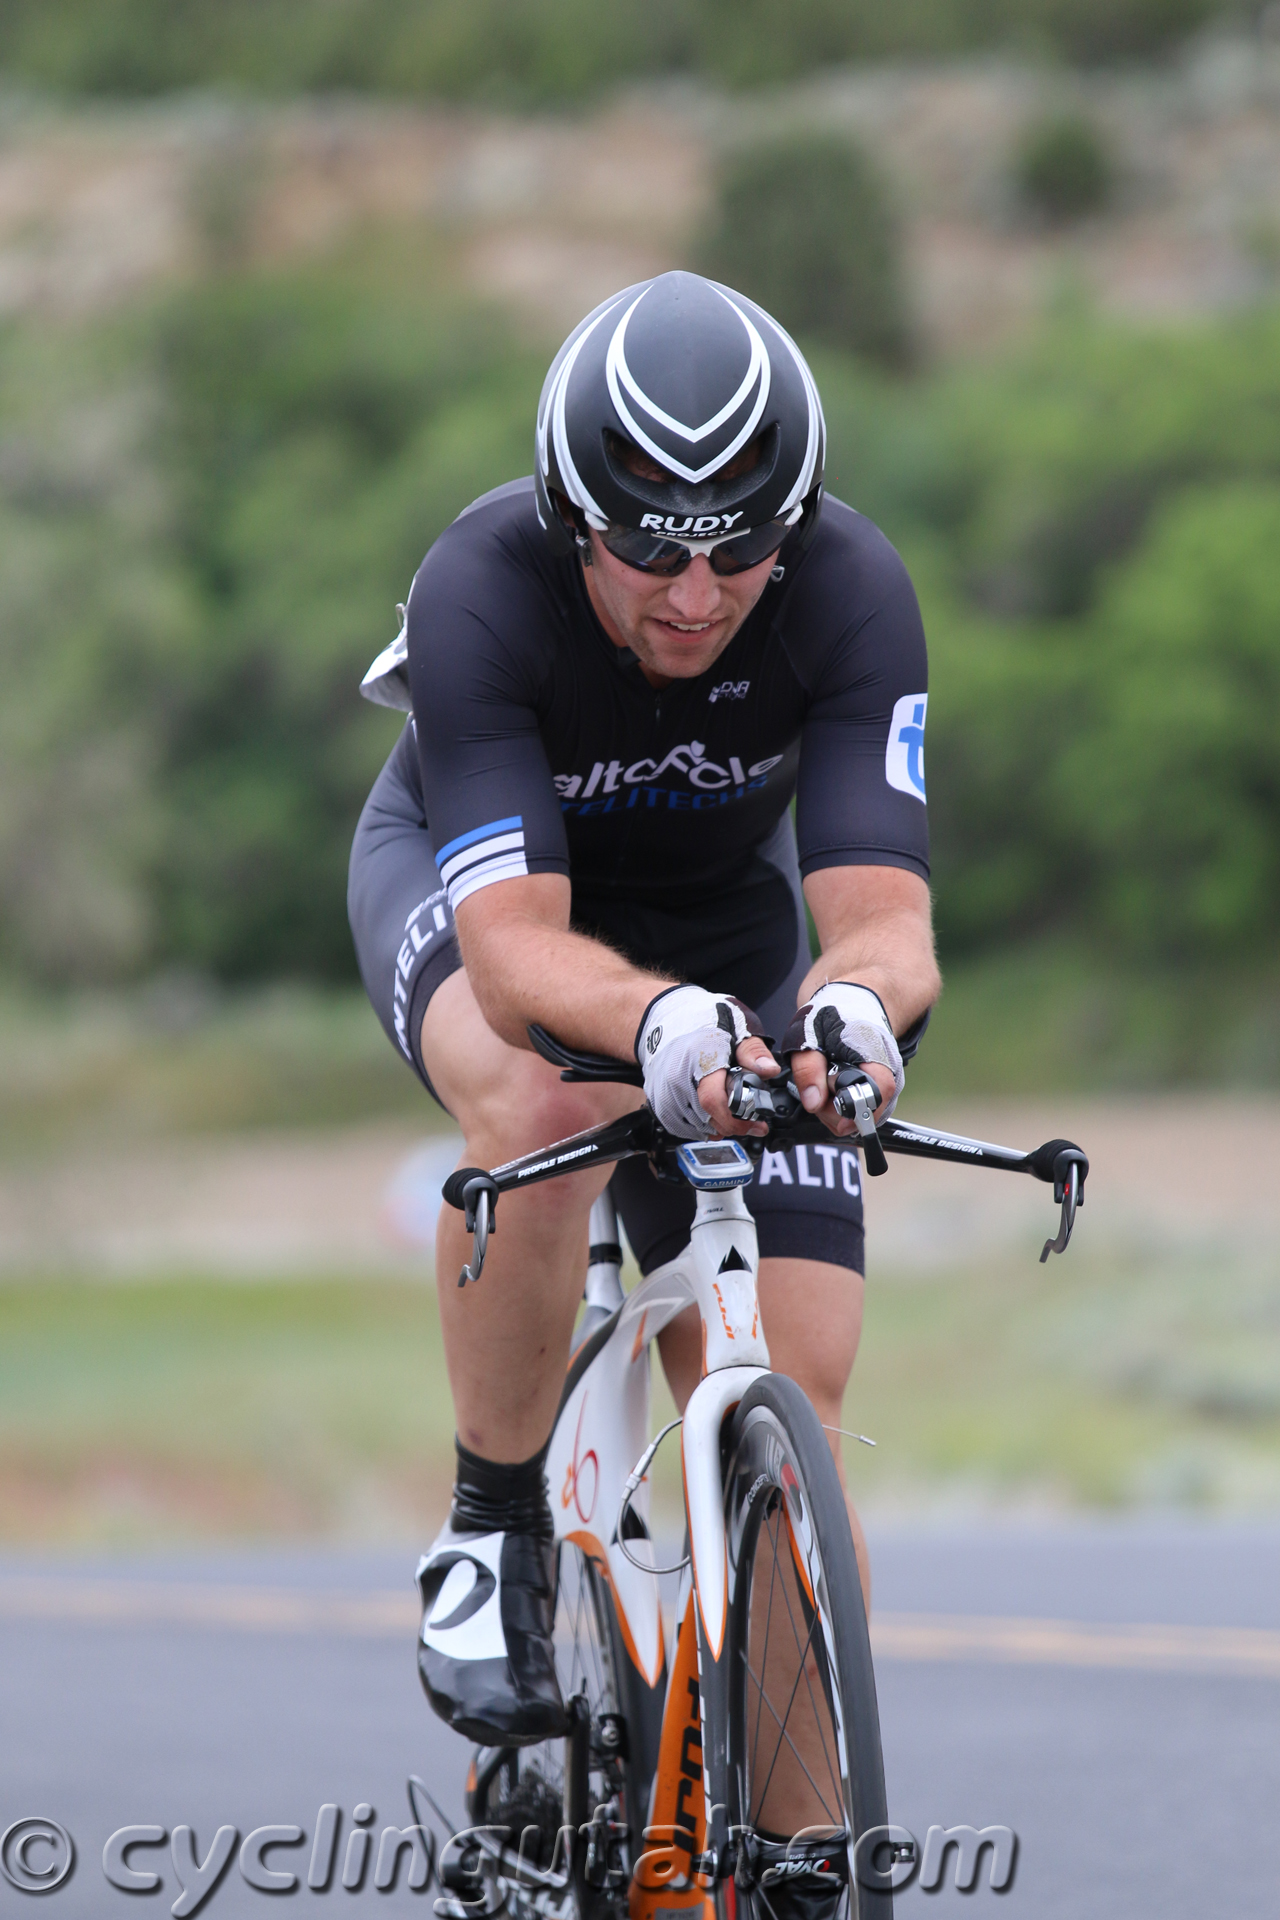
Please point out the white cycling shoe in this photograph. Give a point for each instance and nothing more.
(486, 1656)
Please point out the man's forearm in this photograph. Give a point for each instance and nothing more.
(524, 969)
(876, 931)
(899, 970)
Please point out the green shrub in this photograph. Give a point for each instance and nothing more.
(319, 436)
(1063, 170)
(803, 225)
(1175, 781)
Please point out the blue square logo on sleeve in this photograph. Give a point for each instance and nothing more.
(904, 750)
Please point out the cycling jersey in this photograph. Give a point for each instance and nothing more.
(543, 748)
(538, 746)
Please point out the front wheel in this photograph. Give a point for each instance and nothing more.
(804, 1730)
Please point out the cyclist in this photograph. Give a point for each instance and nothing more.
(620, 672)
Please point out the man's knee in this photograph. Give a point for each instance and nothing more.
(526, 1106)
(507, 1101)
(812, 1316)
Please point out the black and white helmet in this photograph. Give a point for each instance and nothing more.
(694, 376)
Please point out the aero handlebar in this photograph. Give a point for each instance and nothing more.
(776, 1102)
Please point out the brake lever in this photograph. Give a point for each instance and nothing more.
(476, 1194)
(1068, 1192)
(856, 1098)
(479, 1241)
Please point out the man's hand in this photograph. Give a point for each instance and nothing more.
(755, 1056)
(844, 1025)
(809, 1071)
(687, 1041)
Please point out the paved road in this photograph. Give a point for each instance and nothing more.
(1140, 1768)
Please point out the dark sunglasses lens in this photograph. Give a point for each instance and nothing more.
(749, 549)
(637, 548)
(651, 554)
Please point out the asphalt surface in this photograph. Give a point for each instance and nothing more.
(1133, 1746)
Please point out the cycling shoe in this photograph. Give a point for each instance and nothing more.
(486, 1656)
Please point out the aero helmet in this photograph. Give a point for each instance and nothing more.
(692, 375)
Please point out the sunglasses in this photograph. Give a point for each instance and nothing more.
(654, 553)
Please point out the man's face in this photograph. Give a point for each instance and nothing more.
(677, 625)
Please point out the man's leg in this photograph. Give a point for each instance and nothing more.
(811, 1313)
(507, 1336)
(486, 1655)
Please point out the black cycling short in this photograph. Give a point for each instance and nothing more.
(750, 940)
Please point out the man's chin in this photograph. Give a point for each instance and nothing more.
(682, 659)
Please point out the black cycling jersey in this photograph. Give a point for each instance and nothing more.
(544, 749)
(537, 746)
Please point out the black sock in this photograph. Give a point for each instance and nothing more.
(492, 1496)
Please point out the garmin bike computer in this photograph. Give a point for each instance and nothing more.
(712, 1164)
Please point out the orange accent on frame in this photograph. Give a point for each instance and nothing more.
(590, 1545)
(720, 1303)
(677, 1824)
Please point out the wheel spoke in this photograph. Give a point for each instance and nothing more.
(784, 1735)
(774, 1531)
(822, 1716)
(773, 1571)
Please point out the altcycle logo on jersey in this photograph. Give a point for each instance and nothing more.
(611, 785)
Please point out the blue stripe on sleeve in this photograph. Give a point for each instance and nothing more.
(479, 833)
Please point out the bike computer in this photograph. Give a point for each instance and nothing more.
(713, 1164)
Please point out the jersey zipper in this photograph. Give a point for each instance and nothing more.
(625, 839)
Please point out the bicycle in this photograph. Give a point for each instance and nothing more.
(657, 1800)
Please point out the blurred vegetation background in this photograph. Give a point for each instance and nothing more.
(218, 477)
(537, 51)
(208, 509)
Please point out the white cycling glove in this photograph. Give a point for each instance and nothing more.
(850, 1026)
(687, 1033)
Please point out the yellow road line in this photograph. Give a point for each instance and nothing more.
(1076, 1643)
(257, 1609)
(965, 1638)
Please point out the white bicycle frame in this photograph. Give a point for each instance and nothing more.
(601, 1432)
(603, 1424)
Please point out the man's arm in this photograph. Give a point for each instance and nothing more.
(525, 965)
(876, 930)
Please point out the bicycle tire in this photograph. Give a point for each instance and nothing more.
(782, 1491)
(561, 1783)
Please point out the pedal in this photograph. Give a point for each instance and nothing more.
(474, 1889)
